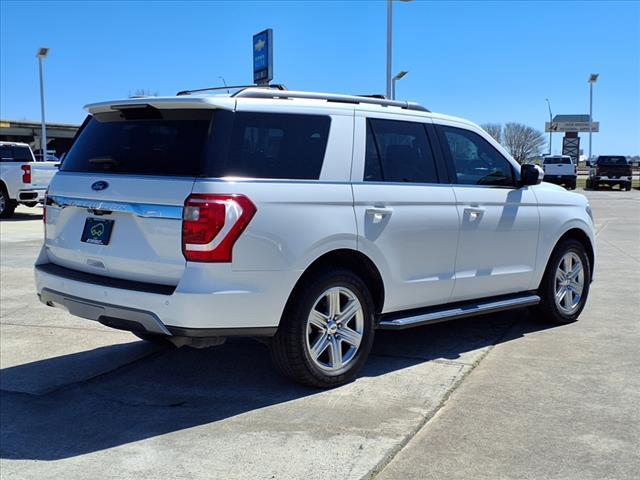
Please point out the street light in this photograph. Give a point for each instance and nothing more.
(550, 122)
(41, 55)
(400, 75)
(593, 78)
(389, 35)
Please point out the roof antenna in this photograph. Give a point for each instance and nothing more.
(225, 84)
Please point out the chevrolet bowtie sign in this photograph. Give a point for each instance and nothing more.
(263, 57)
(571, 127)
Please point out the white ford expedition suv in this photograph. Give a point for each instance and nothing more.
(312, 219)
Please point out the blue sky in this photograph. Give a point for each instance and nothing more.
(485, 61)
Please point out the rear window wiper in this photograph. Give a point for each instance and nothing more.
(108, 162)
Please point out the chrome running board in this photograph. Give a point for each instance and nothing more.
(396, 321)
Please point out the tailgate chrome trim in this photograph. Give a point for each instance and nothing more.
(144, 210)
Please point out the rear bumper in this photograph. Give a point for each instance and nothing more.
(31, 195)
(250, 306)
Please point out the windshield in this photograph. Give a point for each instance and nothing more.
(612, 161)
(15, 153)
(142, 141)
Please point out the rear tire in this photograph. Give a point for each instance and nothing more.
(327, 329)
(7, 206)
(565, 285)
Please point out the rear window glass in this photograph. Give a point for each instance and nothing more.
(148, 141)
(557, 160)
(143, 141)
(612, 160)
(12, 153)
(268, 145)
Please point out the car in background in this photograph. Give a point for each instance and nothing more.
(610, 170)
(561, 170)
(23, 180)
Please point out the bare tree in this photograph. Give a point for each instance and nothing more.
(523, 142)
(493, 129)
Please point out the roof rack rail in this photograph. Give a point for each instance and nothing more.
(329, 97)
(230, 87)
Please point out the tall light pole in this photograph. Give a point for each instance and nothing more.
(389, 43)
(593, 78)
(41, 55)
(398, 76)
(550, 122)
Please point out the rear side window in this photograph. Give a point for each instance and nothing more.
(142, 141)
(268, 145)
(12, 153)
(475, 160)
(398, 151)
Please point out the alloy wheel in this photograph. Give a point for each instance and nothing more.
(335, 328)
(569, 283)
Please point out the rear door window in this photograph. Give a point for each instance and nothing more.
(268, 145)
(398, 151)
(142, 141)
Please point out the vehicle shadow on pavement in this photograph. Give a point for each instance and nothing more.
(176, 389)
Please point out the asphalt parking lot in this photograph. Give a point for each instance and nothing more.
(498, 396)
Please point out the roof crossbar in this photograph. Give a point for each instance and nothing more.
(329, 97)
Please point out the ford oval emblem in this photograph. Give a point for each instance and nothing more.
(100, 185)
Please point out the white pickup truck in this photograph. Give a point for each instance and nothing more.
(561, 170)
(22, 179)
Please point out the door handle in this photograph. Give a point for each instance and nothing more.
(382, 211)
(378, 213)
(474, 213)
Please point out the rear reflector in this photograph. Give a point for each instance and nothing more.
(212, 223)
(26, 175)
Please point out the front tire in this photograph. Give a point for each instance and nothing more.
(565, 285)
(327, 329)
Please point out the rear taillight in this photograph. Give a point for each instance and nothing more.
(26, 173)
(597, 170)
(212, 223)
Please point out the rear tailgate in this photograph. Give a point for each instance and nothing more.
(42, 173)
(115, 208)
(558, 169)
(614, 171)
(144, 218)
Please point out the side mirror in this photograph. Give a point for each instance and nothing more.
(530, 174)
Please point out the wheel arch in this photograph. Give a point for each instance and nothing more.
(356, 261)
(580, 235)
